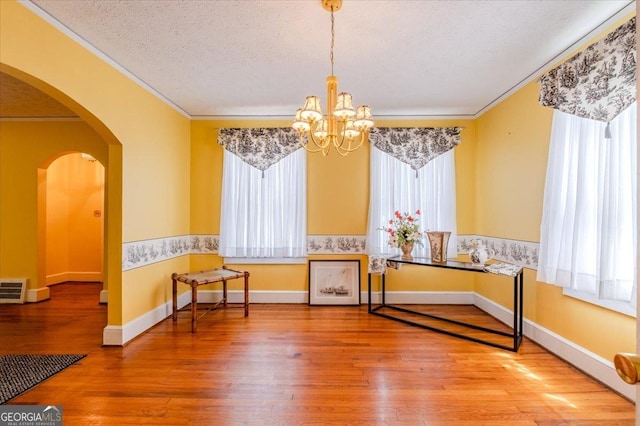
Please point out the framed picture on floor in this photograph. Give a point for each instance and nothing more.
(334, 282)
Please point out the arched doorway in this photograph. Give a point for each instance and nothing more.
(73, 220)
(29, 144)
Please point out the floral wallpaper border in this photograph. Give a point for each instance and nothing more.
(336, 244)
(141, 253)
(521, 253)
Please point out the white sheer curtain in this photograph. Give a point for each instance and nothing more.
(264, 217)
(394, 186)
(588, 230)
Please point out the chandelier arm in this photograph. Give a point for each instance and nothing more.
(307, 148)
(339, 143)
(362, 138)
(349, 148)
(319, 144)
(342, 151)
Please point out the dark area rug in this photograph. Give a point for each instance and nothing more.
(19, 373)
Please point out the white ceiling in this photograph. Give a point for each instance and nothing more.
(404, 58)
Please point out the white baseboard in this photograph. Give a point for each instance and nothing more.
(38, 294)
(56, 278)
(116, 335)
(63, 277)
(112, 336)
(584, 360)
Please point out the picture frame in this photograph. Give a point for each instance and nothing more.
(334, 282)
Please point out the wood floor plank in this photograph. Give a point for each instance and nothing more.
(296, 365)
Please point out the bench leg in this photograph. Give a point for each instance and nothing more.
(246, 294)
(174, 314)
(194, 307)
(224, 293)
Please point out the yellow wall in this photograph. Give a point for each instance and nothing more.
(511, 162)
(86, 205)
(57, 218)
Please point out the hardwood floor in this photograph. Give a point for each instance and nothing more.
(294, 365)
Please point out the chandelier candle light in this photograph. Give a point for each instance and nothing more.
(343, 127)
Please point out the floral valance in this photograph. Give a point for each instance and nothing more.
(597, 83)
(415, 146)
(262, 147)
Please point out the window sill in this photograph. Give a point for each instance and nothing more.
(613, 305)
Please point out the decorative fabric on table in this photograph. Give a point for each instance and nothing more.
(379, 264)
(503, 269)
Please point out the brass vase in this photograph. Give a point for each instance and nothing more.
(407, 248)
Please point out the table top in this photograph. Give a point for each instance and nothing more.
(449, 264)
(210, 276)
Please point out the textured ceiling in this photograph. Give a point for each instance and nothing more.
(404, 58)
(18, 99)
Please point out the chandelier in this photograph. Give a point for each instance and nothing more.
(344, 127)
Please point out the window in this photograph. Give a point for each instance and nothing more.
(588, 232)
(263, 213)
(394, 185)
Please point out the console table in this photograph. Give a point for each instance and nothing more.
(196, 279)
(515, 336)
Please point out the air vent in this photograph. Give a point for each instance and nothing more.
(12, 290)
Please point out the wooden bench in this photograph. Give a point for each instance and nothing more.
(195, 279)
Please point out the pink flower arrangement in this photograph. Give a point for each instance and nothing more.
(403, 228)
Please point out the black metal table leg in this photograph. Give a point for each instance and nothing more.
(515, 336)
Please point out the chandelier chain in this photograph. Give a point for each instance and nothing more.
(332, 41)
